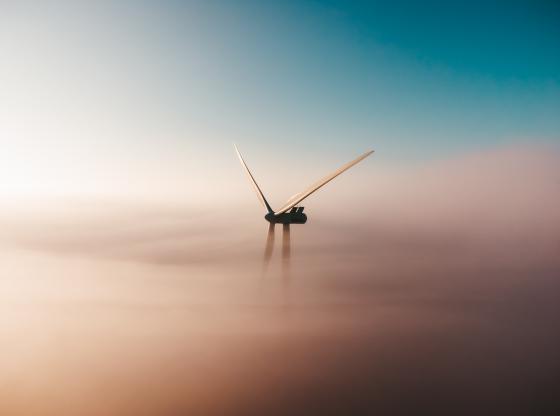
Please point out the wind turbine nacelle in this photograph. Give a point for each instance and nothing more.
(294, 216)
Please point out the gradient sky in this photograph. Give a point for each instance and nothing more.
(131, 251)
(140, 95)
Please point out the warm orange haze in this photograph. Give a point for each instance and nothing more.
(124, 308)
(140, 275)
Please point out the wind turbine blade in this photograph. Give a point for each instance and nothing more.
(292, 202)
(260, 195)
(286, 244)
(269, 246)
(286, 252)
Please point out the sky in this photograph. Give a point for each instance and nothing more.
(118, 98)
(132, 278)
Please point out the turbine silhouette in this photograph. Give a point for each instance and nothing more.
(290, 212)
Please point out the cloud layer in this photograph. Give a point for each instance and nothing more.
(433, 288)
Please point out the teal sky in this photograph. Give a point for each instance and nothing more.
(142, 86)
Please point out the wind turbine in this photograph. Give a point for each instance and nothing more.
(290, 212)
